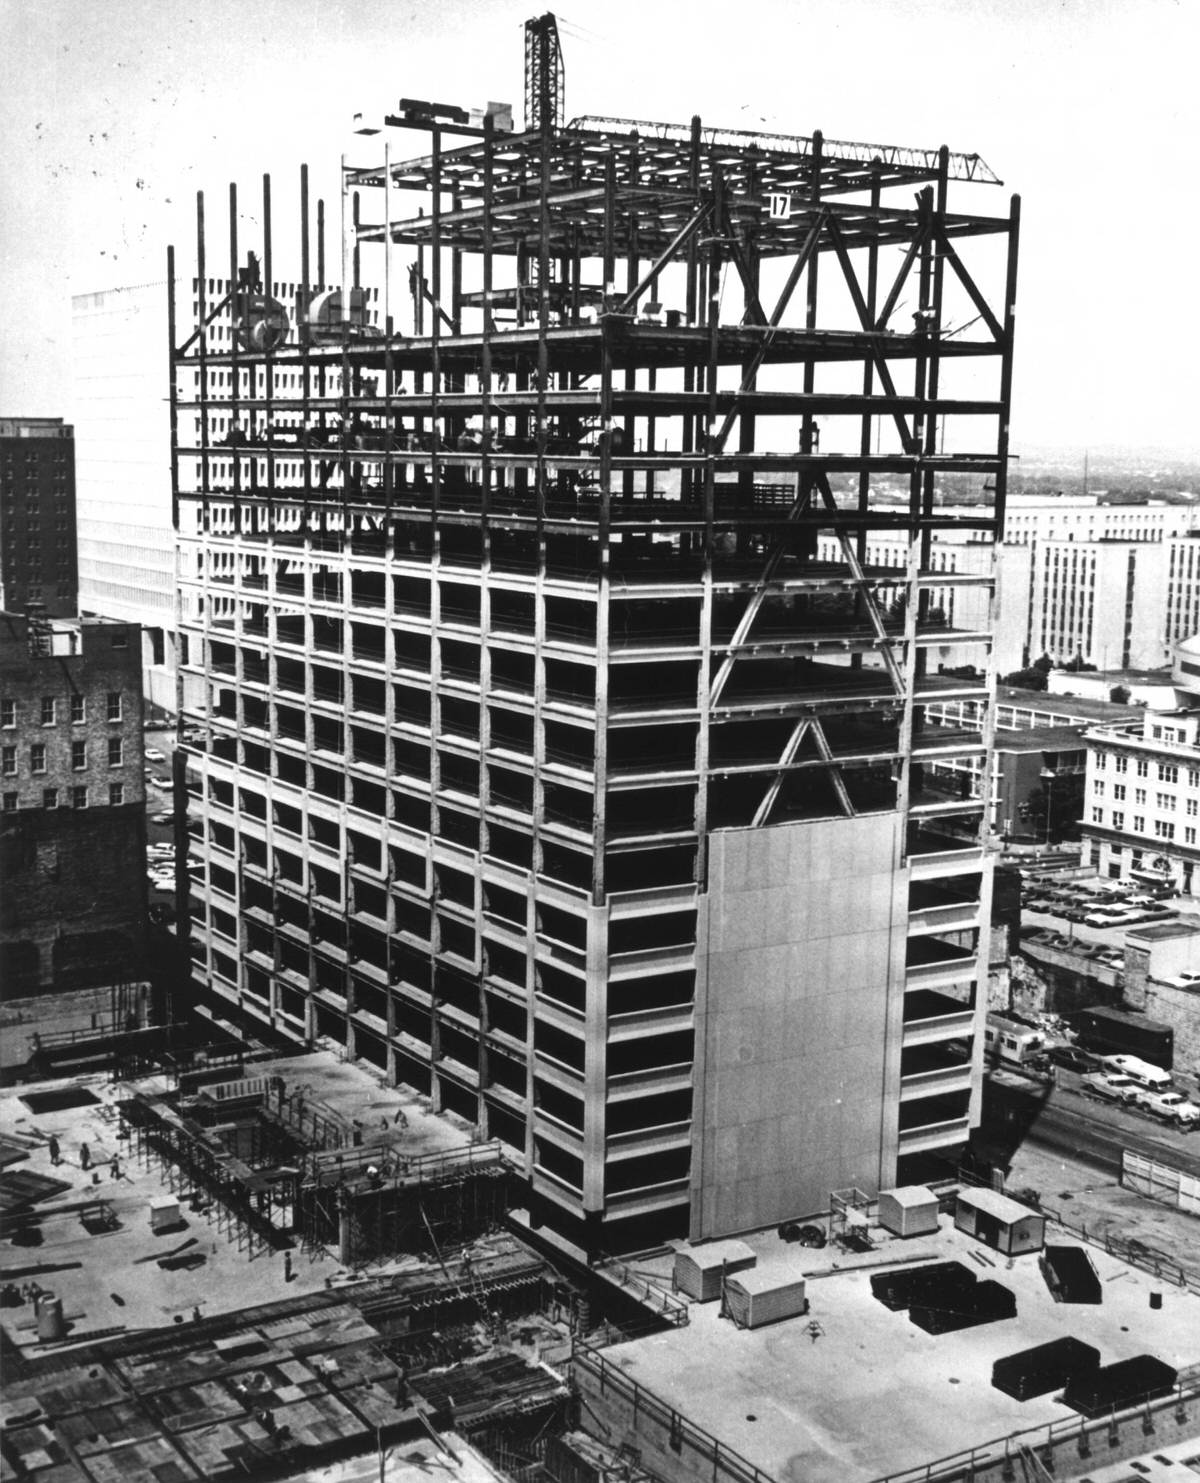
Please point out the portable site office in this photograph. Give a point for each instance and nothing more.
(997, 1221)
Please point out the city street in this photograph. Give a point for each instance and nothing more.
(1062, 1117)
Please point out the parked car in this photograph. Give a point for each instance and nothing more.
(1183, 981)
(154, 755)
(1103, 919)
(164, 818)
(1112, 1088)
(1070, 1057)
(1145, 1073)
(1172, 1107)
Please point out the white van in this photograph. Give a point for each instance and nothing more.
(1153, 1078)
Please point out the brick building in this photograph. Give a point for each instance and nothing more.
(37, 515)
(72, 822)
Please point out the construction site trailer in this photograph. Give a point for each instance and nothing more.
(910, 1210)
(699, 1270)
(998, 1221)
(165, 1214)
(759, 1297)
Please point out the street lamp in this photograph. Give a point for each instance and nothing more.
(1048, 777)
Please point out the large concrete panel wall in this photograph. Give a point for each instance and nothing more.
(800, 988)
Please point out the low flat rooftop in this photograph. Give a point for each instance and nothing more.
(1042, 739)
(1084, 706)
(869, 1393)
(1122, 676)
(1162, 931)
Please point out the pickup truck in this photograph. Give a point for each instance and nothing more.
(1111, 1087)
(1172, 1107)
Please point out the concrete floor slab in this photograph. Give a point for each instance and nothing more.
(110, 1280)
(867, 1392)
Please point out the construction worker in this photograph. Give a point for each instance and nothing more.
(55, 1150)
(85, 1156)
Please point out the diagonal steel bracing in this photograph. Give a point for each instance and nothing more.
(681, 238)
(835, 772)
(751, 369)
(971, 287)
(897, 288)
(864, 587)
(907, 441)
(799, 732)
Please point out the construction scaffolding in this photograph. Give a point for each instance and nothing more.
(372, 1206)
(247, 1205)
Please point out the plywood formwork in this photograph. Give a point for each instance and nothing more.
(499, 528)
(279, 1390)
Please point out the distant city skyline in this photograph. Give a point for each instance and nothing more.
(115, 116)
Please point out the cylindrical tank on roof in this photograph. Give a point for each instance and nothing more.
(50, 1321)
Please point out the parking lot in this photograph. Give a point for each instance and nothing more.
(1096, 902)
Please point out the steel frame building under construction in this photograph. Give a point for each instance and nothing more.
(538, 759)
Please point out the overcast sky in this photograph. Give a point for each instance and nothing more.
(113, 114)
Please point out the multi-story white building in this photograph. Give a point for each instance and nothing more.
(1114, 601)
(1142, 801)
(965, 604)
(123, 442)
(123, 472)
(1101, 601)
(1183, 586)
(1032, 518)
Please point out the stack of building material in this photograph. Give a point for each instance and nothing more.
(165, 1214)
(1129, 1382)
(1045, 1368)
(700, 1270)
(477, 1391)
(910, 1210)
(757, 1297)
(985, 1302)
(907, 1285)
(1070, 1275)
